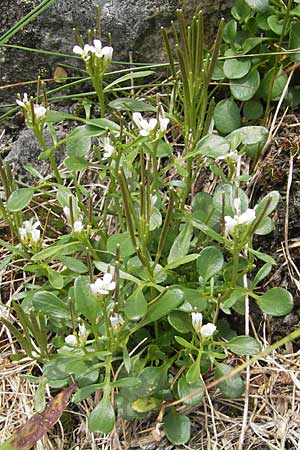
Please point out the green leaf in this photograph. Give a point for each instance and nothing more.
(136, 305)
(51, 251)
(280, 79)
(155, 219)
(244, 345)
(203, 208)
(55, 279)
(213, 146)
(272, 198)
(170, 300)
(276, 24)
(235, 68)
(227, 116)
(261, 274)
(73, 264)
(250, 135)
(210, 262)
(127, 382)
(228, 192)
(128, 77)
(184, 343)
(19, 199)
(128, 104)
(124, 241)
(229, 32)
(76, 163)
(265, 226)
(102, 418)
(261, 6)
(253, 109)
(85, 392)
(78, 146)
(39, 398)
(246, 87)
(146, 404)
(50, 305)
(181, 244)
(153, 380)
(262, 256)
(177, 427)
(195, 298)
(184, 388)
(85, 301)
(276, 302)
(232, 387)
(193, 373)
(179, 262)
(180, 321)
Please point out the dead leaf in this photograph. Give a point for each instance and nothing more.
(34, 429)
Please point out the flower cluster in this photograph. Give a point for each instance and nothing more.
(102, 286)
(77, 225)
(81, 337)
(34, 114)
(29, 232)
(95, 55)
(239, 218)
(147, 127)
(206, 330)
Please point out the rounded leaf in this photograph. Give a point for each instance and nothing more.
(246, 87)
(253, 110)
(136, 305)
(227, 116)
(232, 387)
(244, 345)
(213, 146)
(180, 321)
(276, 302)
(210, 262)
(19, 199)
(184, 389)
(124, 241)
(102, 418)
(235, 68)
(177, 428)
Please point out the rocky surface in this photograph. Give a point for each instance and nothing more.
(133, 24)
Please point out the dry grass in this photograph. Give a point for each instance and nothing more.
(273, 418)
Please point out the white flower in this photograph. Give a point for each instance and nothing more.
(66, 211)
(83, 333)
(197, 321)
(115, 320)
(24, 101)
(103, 285)
(232, 155)
(71, 340)
(246, 217)
(78, 226)
(146, 126)
(105, 52)
(207, 330)
(108, 148)
(163, 121)
(29, 230)
(84, 52)
(39, 111)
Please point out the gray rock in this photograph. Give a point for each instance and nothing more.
(26, 150)
(134, 25)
